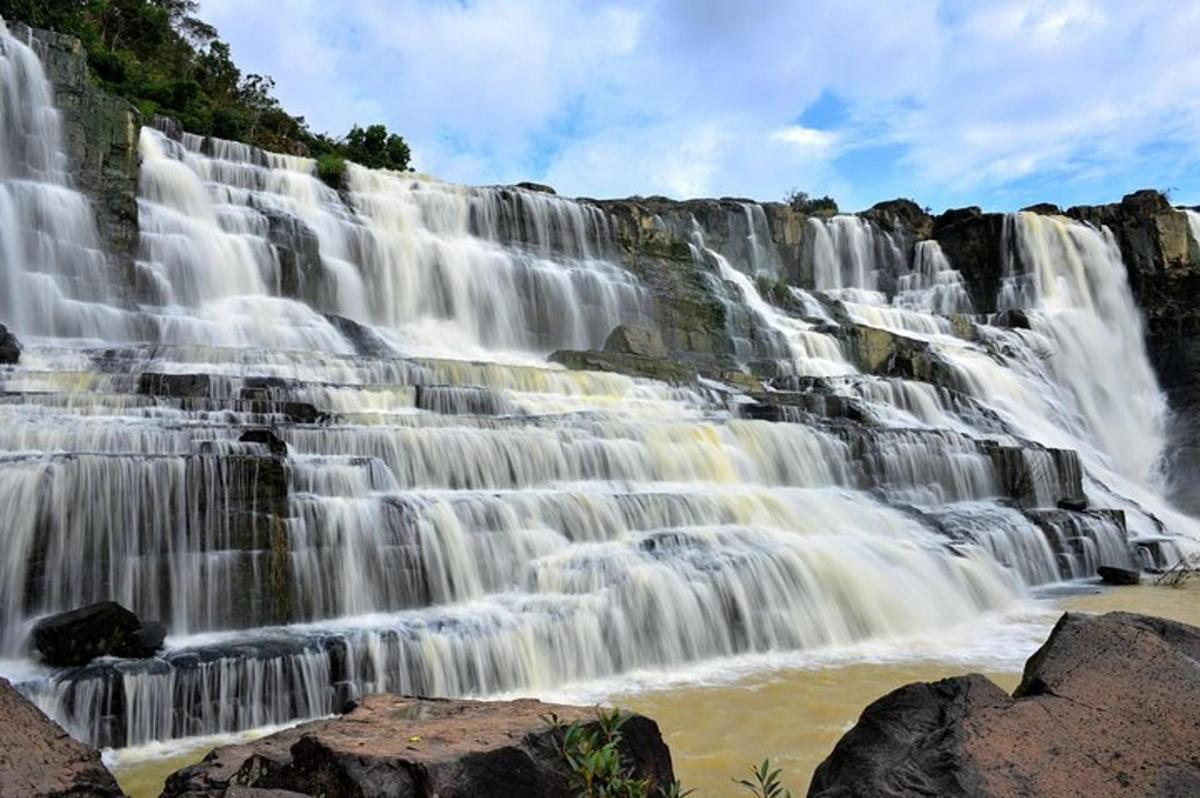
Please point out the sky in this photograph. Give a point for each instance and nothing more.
(1000, 104)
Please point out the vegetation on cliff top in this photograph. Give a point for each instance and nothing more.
(164, 60)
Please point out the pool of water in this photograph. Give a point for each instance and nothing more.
(721, 718)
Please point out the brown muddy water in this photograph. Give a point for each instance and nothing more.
(718, 722)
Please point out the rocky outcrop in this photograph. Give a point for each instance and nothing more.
(973, 242)
(1108, 706)
(105, 629)
(390, 745)
(632, 339)
(100, 132)
(40, 760)
(10, 347)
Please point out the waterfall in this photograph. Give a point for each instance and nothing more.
(454, 515)
(54, 274)
(248, 248)
(1093, 330)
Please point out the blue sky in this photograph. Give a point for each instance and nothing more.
(999, 104)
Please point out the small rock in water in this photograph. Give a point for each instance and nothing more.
(1014, 319)
(10, 347)
(106, 629)
(1114, 575)
(266, 437)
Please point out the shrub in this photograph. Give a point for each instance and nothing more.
(802, 203)
(331, 168)
(594, 758)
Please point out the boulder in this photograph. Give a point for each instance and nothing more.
(633, 339)
(1013, 319)
(1108, 706)
(1076, 505)
(1114, 575)
(38, 758)
(105, 629)
(10, 347)
(397, 746)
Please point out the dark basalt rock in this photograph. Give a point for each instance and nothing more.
(10, 347)
(38, 758)
(632, 339)
(1014, 319)
(1108, 706)
(105, 629)
(1114, 575)
(266, 437)
(395, 746)
(973, 242)
(1076, 505)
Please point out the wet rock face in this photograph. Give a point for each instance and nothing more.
(973, 242)
(100, 132)
(105, 629)
(1108, 706)
(38, 758)
(390, 745)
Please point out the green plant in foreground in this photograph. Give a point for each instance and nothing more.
(766, 782)
(593, 756)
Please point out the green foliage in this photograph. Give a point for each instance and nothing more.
(374, 147)
(594, 758)
(766, 783)
(802, 203)
(331, 168)
(164, 60)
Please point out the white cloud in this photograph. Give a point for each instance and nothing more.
(700, 97)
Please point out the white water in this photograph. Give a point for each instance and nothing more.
(455, 516)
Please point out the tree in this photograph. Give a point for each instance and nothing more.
(374, 147)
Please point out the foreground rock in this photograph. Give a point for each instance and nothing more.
(395, 746)
(106, 629)
(1109, 706)
(38, 758)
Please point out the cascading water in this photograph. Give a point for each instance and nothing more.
(54, 274)
(454, 515)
